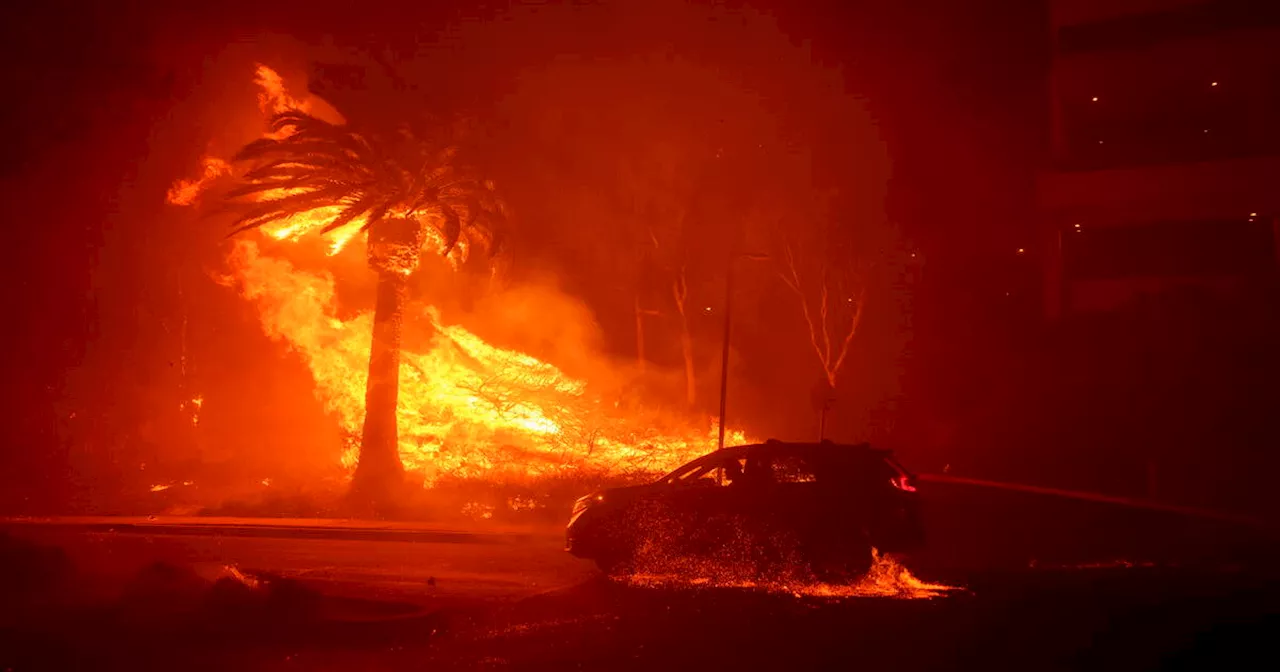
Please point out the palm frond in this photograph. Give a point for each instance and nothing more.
(319, 164)
(297, 164)
(310, 182)
(447, 222)
(288, 206)
(249, 223)
(351, 212)
(300, 121)
(375, 215)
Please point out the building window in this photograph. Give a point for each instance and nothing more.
(1206, 18)
(1172, 114)
(1226, 247)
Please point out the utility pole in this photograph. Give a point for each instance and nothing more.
(728, 323)
(724, 350)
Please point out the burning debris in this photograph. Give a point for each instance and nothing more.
(519, 503)
(161, 487)
(478, 510)
(249, 581)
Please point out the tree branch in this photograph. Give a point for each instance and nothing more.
(680, 290)
(853, 329)
(794, 283)
(826, 336)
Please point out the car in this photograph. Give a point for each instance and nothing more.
(824, 504)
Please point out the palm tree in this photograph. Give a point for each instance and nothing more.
(400, 187)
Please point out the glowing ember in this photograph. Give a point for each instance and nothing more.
(886, 578)
(193, 407)
(519, 503)
(477, 510)
(160, 487)
(467, 408)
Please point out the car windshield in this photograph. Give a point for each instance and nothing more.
(689, 472)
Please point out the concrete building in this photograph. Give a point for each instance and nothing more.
(1165, 117)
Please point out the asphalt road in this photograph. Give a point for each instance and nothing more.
(402, 562)
(328, 595)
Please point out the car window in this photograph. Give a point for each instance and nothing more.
(733, 471)
(686, 472)
(710, 476)
(791, 469)
(691, 473)
(712, 472)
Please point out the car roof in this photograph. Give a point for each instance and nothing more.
(776, 446)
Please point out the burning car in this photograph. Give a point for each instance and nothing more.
(824, 504)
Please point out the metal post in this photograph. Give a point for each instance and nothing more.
(724, 351)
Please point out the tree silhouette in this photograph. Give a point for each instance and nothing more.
(402, 189)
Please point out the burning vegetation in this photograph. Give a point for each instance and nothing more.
(445, 403)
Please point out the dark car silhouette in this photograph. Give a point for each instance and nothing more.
(824, 504)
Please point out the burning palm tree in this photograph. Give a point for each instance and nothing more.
(400, 189)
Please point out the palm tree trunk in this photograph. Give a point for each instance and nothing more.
(380, 472)
(394, 248)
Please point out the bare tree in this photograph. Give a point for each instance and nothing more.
(826, 262)
(671, 259)
(659, 186)
(832, 295)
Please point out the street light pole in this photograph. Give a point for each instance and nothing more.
(724, 349)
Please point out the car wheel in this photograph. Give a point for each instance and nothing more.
(842, 563)
(616, 564)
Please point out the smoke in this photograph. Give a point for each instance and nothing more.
(540, 319)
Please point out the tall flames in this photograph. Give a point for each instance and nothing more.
(467, 408)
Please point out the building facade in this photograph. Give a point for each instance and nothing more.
(1165, 166)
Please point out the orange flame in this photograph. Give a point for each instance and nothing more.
(274, 98)
(467, 408)
(185, 192)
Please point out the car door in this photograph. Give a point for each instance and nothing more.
(701, 505)
(791, 497)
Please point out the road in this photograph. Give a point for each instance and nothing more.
(333, 595)
(404, 562)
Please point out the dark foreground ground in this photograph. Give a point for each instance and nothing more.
(174, 597)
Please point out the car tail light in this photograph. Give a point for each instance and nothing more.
(903, 483)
